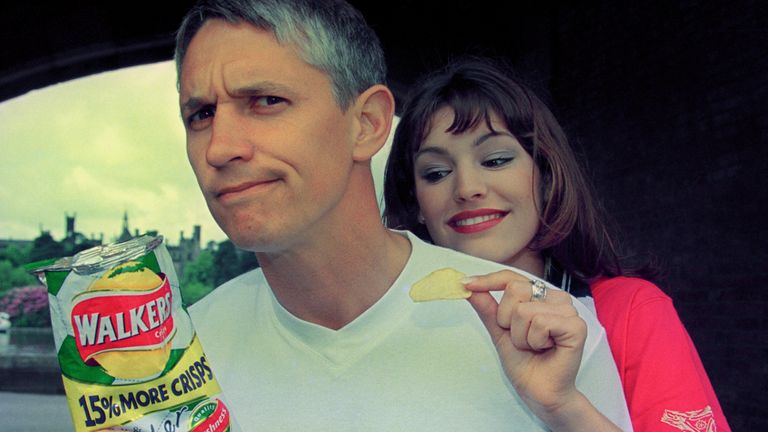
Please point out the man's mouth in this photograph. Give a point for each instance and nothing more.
(241, 187)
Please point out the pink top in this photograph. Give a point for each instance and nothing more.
(666, 386)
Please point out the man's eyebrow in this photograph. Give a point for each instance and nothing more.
(261, 88)
(192, 104)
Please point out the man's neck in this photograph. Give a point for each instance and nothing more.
(331, 286)
(341, 268)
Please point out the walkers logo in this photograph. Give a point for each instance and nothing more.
(210, 416)
(691, 421)
(114, 321)
(124, 322)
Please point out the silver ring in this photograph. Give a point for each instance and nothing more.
(538, 291)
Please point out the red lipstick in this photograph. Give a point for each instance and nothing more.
(472, 221)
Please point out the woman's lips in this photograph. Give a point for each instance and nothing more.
(473, 221)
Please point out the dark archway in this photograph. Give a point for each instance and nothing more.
(666, 100)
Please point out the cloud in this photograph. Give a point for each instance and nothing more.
(99, 146)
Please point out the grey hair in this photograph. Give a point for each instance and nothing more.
(330, 35)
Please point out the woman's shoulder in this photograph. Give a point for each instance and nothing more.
(629, 291)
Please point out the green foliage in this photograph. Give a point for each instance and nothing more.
(45, 247)
(226, 263)
(12, 272)
(200, 270)
(230, 262)
(247, 261)
(12, 276)
(198, 278)
(18, 256)
(212, 269)
(194, 291)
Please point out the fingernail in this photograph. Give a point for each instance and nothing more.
(467, 280)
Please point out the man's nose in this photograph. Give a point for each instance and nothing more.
(469, 185)
(230, 140)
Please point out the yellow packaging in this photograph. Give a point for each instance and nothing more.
(129, 355)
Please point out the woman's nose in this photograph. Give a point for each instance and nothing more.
(469, 185)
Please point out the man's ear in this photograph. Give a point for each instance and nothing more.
(375, 108)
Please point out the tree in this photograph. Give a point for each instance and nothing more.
(45, 247)
(226, 263)
(12, 276)
(18, 256)
(247, 261)
(12, 272)
(197, 281)
(212, 269)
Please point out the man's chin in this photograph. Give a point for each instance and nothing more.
(247, 242)
(243, 232)
(253, 241)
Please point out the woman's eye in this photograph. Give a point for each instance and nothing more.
(497, 161)
(200, 115)
(435, 175)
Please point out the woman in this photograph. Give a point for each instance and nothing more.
(480, 164)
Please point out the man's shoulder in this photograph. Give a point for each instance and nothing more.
(233, 291)
(432, 256)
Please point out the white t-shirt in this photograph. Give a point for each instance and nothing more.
(400, 366)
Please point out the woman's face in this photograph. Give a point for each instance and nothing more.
(479, 191)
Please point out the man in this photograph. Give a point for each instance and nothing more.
(284, 105)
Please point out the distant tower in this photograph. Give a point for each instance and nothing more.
(126, 234)
(196, 235)
(70, 233)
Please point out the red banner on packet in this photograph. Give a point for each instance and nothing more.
(122, 320)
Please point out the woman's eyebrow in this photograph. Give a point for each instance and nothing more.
(430, 150)
(483, 138)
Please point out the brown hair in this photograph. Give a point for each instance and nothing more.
(573, 229)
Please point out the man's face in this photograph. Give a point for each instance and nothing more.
(269, 145)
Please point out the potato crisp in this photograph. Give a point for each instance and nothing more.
(443, 284)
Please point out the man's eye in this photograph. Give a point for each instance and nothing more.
(496, 162)
(201, 114)
(267, 101)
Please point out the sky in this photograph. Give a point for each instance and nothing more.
(98, 147)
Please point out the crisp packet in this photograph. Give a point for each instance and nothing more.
(129, 356)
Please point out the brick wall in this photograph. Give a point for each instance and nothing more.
(668, 101)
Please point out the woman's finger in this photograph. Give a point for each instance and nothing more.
(487, 309)
(496, 281)
(516, 287)
(547, 331)
(512, 309)
(518, 318)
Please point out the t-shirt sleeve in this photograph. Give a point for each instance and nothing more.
(666, 386)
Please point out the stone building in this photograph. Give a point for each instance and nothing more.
(185, 251)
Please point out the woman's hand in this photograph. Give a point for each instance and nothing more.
(540, 343)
